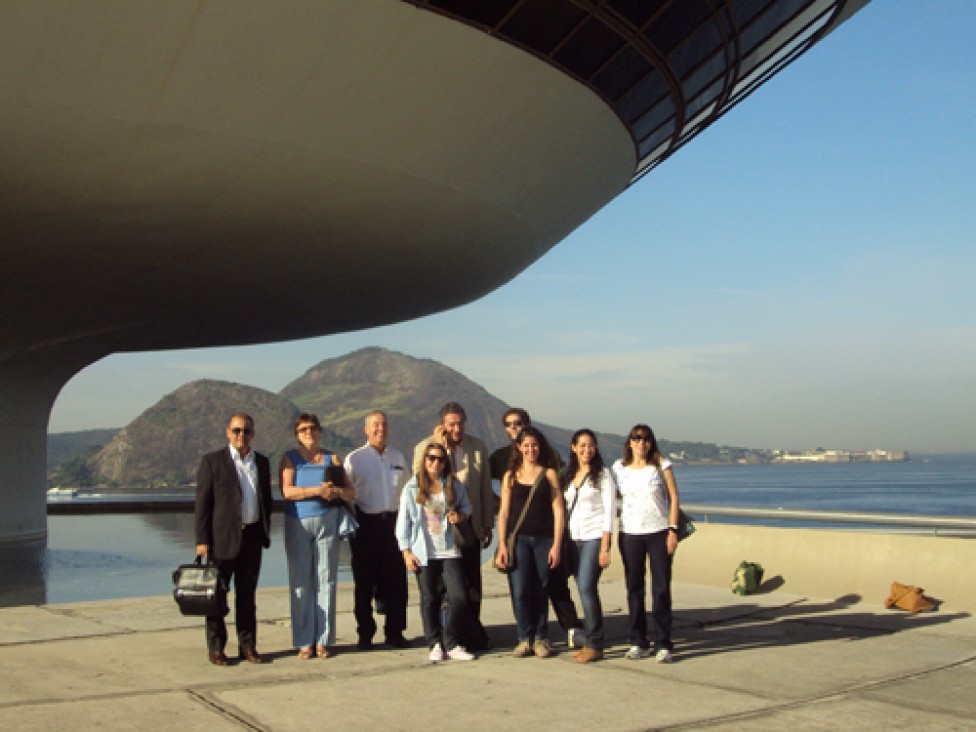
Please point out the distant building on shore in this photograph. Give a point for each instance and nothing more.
(840, 456)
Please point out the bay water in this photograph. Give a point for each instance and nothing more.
(105, 556)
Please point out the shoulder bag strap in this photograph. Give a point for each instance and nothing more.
(528, 502)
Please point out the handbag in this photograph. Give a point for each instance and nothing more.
(463, 533)
(199, 590)
(569, 550)
(510, 540)
(685, 525)
(907, 597)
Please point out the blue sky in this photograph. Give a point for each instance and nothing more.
(800, 275)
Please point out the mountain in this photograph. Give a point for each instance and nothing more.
(66, 445)
(341, 391)
(162, 447)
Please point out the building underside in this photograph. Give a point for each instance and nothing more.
(189, 173)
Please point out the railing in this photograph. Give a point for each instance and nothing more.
(964, 526)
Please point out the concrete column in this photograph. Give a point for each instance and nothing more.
(29, 384)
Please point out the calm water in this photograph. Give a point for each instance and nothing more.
(93, 557)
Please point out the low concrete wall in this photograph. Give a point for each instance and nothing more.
(831, 563)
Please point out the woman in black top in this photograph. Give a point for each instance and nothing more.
(538, 538)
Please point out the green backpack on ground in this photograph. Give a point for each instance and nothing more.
(747, 578)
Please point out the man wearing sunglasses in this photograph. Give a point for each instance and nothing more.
(232, 526)
(514, 421)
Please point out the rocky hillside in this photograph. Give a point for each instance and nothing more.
(341, 391)
(162, 447)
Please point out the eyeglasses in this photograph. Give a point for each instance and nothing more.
(435, 458)
(640, 438)
(309, 428)
(239, 430)
(514, 423)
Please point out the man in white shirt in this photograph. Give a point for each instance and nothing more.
(378, 473)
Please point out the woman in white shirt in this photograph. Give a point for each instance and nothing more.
(430, 502)
(591, 504)
(648, 532)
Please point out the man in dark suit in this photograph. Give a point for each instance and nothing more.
(233, 512)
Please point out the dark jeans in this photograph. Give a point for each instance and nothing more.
(634, 550)
(528, 583)
(562, 602)
(377, 570)
(245, 569)
(473, 635)
(440, 577)
(587, 578)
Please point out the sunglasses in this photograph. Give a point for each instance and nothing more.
(239, 430)
(514, 423)
(435, 458)
(640, 438)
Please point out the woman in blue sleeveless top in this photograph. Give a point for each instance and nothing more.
(314, 511)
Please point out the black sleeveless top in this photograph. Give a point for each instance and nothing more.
(538, 520)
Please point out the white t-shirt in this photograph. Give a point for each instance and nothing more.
(437, 529)
(644, 503)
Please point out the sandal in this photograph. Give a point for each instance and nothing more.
(322, 652)
(305, 653)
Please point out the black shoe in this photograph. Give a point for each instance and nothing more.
(482, 643)
(397, 641)
(364, 643)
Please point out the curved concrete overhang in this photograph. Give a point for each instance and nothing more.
(190, 174)
(196, 173)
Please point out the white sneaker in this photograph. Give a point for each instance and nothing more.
(436, 653)
(636, 653)
(663, 656)
(459, 653)
(574, 639)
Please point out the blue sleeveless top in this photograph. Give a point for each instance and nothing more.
(307, 475)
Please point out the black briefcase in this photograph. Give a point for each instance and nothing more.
(198, 589)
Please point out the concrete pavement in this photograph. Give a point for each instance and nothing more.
(768, 661)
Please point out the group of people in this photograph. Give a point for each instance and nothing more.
(433, 519)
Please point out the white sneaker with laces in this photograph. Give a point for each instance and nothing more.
(460, 653)
(663, 656)
(436, 653)
(636, 653)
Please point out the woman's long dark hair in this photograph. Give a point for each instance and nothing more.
(653, 456)
(424, 482)
(596, 464)
(545, 451)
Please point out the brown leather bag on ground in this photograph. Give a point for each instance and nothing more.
(907, 597)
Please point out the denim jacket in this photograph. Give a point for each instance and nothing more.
(410, 525)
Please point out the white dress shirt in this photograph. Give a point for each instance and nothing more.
(378, 477)
(247, 476)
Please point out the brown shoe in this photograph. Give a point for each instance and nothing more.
(588, 655)
(217, 658)
(251, 656)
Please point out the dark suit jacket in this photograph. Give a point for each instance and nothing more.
(218, 503)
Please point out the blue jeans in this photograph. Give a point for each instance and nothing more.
(587, 578)
(312, 547)
(440, 577)
(528, 583)
(637, 550)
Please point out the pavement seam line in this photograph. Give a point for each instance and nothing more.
(230, 713)
(807, 701)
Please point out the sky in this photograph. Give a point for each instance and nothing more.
(800, 275)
